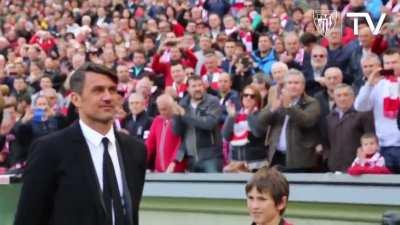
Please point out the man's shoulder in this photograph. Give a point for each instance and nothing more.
(60, 136)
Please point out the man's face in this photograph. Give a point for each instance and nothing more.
(294, 85)
(196, 89)
(365, 37)
(123, 74)
(178, 74)
(99, 99)
(42, 103)
(136, 105)
(264, 44)
(343, 98)
(229, 22)
(318, 58)
(333, 78)
(274, 25)
(262, 208)
(244, 23)
(369, 65)
(175, 53)
(211, 63)
(19, 85)
(205, 44)
(139, 59)
(224, 83)
(45, 83)
(229, 48)
(278, 73)
(214, 21)
(335, 37)
(392, 62)
(148, 44)
(164, 109)
(292, 44)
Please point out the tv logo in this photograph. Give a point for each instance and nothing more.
(326, 20)
(374, 30)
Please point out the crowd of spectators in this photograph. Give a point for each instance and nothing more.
(211, 85)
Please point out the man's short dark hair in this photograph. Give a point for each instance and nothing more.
(194, 78)
(269, 180)
(77, 80)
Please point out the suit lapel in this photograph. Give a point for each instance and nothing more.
(85, 160)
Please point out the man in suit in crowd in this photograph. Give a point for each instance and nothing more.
(87, 173)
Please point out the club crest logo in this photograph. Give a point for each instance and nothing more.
(325, 20)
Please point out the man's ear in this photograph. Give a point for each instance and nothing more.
(76, 99)
(282, 204)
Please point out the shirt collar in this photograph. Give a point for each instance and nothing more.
(95, 137)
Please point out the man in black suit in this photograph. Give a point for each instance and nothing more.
(86, 174)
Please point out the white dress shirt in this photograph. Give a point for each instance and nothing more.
(96, 149)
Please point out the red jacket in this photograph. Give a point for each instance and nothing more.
(160, 149)
(188, 60)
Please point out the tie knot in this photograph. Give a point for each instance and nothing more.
(105, 142)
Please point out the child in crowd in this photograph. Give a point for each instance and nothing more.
(267, 195)
(368, 160)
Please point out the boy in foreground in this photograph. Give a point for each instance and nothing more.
(267, 195)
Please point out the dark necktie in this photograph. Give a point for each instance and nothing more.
(111, 195)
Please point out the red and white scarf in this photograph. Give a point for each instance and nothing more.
(391, 99)
(240, 130)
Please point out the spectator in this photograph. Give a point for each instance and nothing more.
(265, 56)
(292, 119)
(314, 70)
(374, 95)
(211, 70)
(244, 134)
(179, 77)
(365, 47)
(126, 84)
(226, 95)
(169, 53)
(196, 122)
(137, 122)
(243, 72)
(267, 195)
(344, 128)
(21, 90)
(139, 64)
(368, 160)
(162, 144)
(37, 122)
(261, 83)
(369, 63)
(294, 54)
(333, 77)
(278, 72)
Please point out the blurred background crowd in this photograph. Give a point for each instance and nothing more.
(211, 85)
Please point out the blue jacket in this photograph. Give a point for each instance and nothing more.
(264, 64)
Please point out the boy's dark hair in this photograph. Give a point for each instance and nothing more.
(269, 180)
(368, 136)
(77, 80)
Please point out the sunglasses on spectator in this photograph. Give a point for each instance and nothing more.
(252, 96)
(319, 56)
(248, 5)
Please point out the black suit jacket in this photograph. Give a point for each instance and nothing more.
(60, 184)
